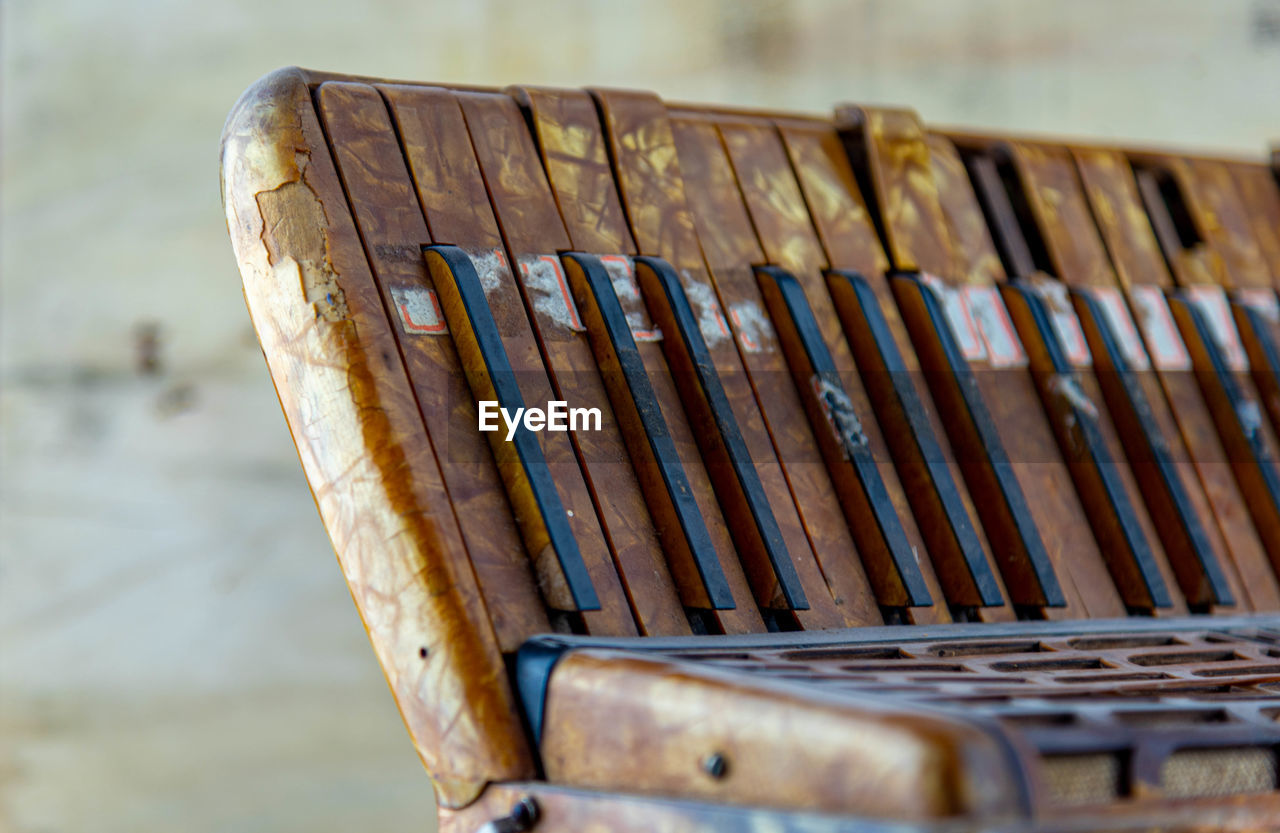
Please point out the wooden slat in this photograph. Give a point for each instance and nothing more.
(1166, 184)
(959, 554)
(754, 158)
(1260, 195)
(904, 408)
(644, 154)
(1062, 366)
(729, 246)
(665, 485)
(630, 721)
(1254, 303)
(933, 225)
(1143, 423)
(1140, 272)
(519, 455)
(1226, 225)
(359, 431)
(392, 230)
(452, 195)
(1230, 228)
(534, 235)
(574, 155)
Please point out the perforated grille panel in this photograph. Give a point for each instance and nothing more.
(1139, 711)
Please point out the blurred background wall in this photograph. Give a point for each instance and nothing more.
(177, 648)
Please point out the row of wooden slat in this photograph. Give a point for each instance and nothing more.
(850, 371)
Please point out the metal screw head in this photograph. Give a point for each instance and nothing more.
(715, 765)
(526, 813)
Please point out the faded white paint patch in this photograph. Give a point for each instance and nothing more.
(418, 310)
(988, 311)
(623, 276)
(755, 331)
(1063, 317)
(544, 279)
(490, 267)
(1161, 335)
(1068, 387)
(707, 309)
(1212, 302)
(1121, 326)
(1261, 301)
(960, 321)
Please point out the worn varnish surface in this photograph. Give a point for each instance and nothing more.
(839, 214)
(1075, 248)
(772, 197)
(1193, 241)
(458, 212)
(531, 227)
(729, 244)
(573, 149)
(360, 436)
(387, 214)
(564, 809)
(1140, 267)
(1075, 256)
(333, 187)
(645, 155)
(933, 225)
(785, 748)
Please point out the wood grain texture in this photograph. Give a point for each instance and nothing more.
(452, 192)
(1196, 264)
(777, 210)
(386, 211)
(333, 187)
(783, 748)
(360, 437)
(730, 247)
(933, 225)
(1260, 197)
(575, 156)
(1227, 225)
(1135, 255)
(1255, 307)
(563, 809)
(845, 229)
(648, 171)
(531, 226)
(1062, 219)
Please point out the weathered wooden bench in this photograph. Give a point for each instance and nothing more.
(704, 469)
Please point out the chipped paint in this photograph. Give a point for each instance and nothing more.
(418, 311)
(548, 290)
(958, 317)
(989, 312)
(705, 306)
(1261, 301)
(1158, 330)
(755, 332)
(1211, 300)
(1067, 386)
(1120, 324)
(622, 275)
(490, 267)
(1063, 317)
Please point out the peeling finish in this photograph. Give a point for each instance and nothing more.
(755, 333)
(710, 319)
(1067, 386)
(331, 352)
(490, 266)
(544, 279)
